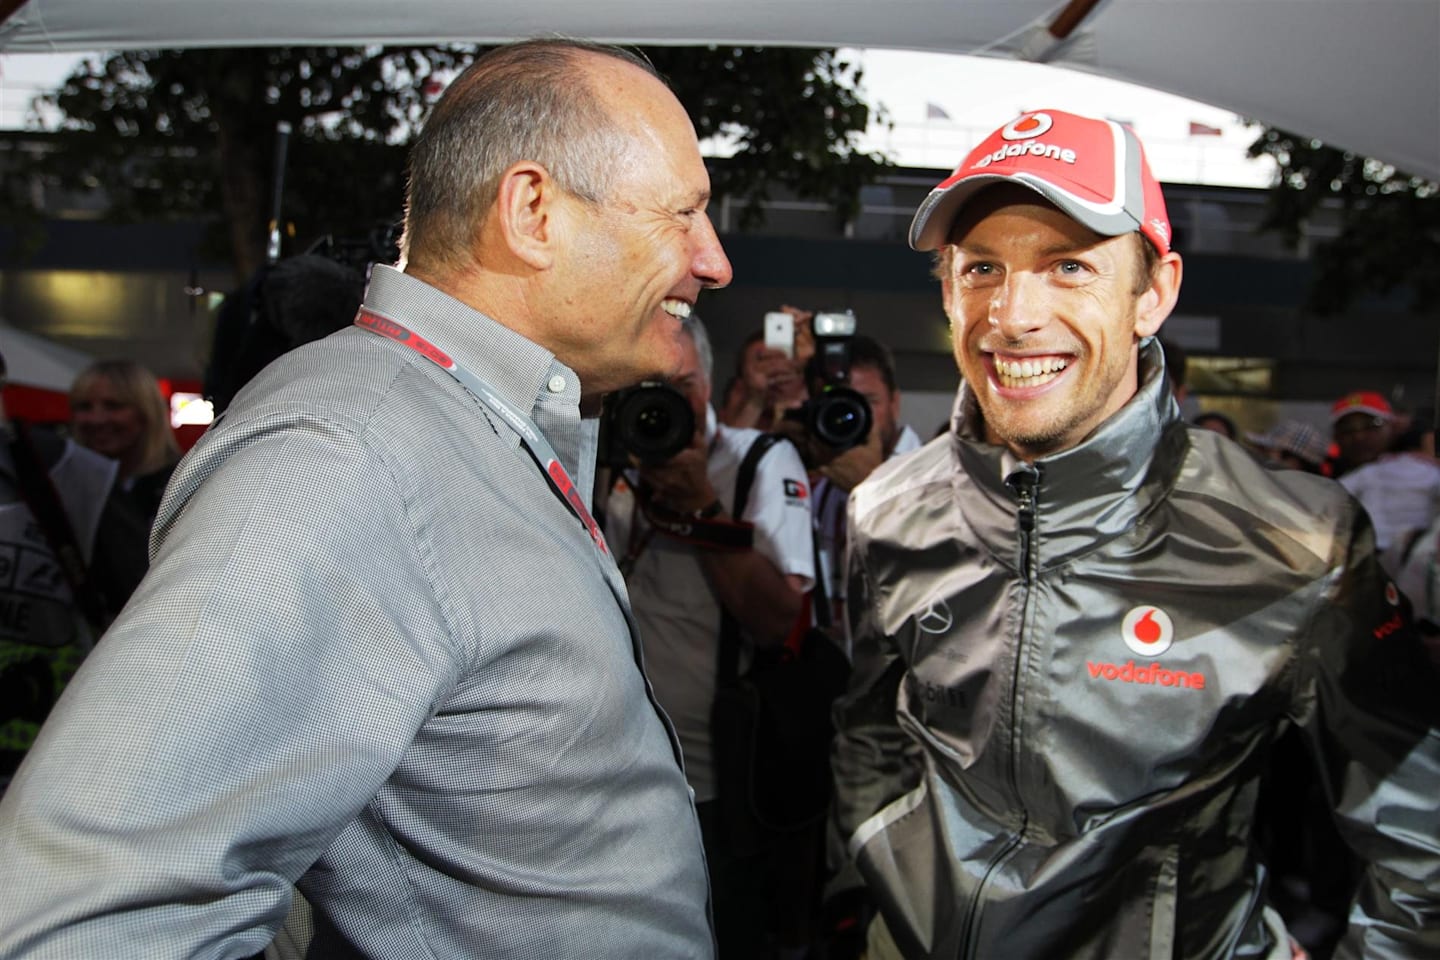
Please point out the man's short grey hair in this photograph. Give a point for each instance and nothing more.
(693, 327)
(525, 101)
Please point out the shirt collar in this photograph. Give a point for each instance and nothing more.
(519, 370)
(523, 373)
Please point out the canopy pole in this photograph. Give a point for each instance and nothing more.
(8, 8)
(1075, 11)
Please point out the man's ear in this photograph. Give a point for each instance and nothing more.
(1159, 298)
(526, 213)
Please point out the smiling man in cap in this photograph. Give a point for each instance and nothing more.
(1079, 624)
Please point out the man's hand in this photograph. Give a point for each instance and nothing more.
(768, 385)
(804, 335)
(770, 377)
(847, 469)
(681, 483)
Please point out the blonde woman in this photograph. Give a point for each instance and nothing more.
(117, 409)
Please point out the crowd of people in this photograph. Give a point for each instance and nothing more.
(412, 674)
(75, 514)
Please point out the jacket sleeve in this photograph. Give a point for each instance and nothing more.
(874, 760)
(1369, 704)
(270, 672)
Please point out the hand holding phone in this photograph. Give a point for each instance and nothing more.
(780, 332)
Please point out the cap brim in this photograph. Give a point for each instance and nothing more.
(1363, 411)
(933, 221)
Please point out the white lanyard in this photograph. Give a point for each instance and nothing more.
(533, 439)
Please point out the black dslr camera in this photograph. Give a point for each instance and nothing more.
(651, 422)
(836, 415)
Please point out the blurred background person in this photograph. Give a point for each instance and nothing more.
(1360, 425)
(1400, 489)
(118, 411)
(1291, 445)
(70, 555)
(298, 300)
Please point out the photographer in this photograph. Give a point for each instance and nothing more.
(768, 381)
(671, 526)
(864, 366)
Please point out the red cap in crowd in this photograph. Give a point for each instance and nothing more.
(1362, 401)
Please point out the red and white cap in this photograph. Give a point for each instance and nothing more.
(1093, 170)
(1361, 401)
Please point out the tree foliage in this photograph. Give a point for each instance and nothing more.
(1389, 236)
(194, 133)
(793, 116)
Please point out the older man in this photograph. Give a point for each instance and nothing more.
(1079, 624)
(384, 654)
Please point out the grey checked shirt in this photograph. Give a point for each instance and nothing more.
(379, 658)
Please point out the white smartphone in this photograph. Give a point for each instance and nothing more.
(780, 332)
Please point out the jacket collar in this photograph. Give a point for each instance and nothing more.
(1084, 496)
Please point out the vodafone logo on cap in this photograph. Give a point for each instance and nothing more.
(1027, 127)
(1020, 146)
(1147, 631)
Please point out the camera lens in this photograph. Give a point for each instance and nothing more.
(652, 422)
(840, 418)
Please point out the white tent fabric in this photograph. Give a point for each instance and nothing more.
(34, 361)
(1360, 74)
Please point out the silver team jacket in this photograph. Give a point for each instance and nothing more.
(1068, 677)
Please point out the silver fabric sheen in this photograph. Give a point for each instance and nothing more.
(1009, 790)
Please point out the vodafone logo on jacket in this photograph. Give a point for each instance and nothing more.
(1147, 631)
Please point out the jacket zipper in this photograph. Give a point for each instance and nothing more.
(1024, 483)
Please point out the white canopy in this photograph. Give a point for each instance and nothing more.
(34, 361)
(1359, 74)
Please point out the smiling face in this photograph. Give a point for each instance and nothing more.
(1045, 318)
(105, 420)
(636, 260)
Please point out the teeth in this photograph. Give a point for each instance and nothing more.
(1028, 373)
(676, 308)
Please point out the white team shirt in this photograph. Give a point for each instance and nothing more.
(674, 605)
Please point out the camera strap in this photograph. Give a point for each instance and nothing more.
(530, 434)
(707, 532)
